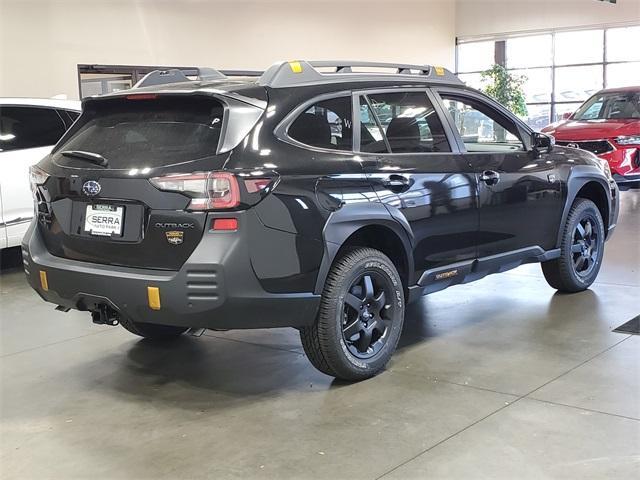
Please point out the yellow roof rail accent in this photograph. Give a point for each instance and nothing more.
(296, 67)
(439, 71)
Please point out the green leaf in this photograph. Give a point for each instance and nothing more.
(506, 88)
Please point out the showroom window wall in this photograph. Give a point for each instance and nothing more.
(563, 68)
(101, 79)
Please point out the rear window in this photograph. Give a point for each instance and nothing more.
(146, 133)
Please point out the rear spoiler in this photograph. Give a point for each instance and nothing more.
(176, 75)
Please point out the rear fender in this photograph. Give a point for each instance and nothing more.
(349, 219)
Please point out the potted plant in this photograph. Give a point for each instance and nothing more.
(506, 88)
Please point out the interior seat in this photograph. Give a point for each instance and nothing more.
(403, 134)
(312, 130)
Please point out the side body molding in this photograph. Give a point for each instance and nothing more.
(350, 218)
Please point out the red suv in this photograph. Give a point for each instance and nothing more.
(608, 124)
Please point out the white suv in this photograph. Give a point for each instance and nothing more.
(29, 127)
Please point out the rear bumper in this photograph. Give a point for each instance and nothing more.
(216, 288)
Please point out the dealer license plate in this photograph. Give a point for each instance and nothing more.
(104, 220)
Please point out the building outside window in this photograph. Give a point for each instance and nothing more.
(563, 68)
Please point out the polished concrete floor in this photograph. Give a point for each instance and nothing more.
(503, 378)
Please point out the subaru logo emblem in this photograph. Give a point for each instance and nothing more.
(91, 188)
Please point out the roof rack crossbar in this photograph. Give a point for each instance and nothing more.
(298, 73)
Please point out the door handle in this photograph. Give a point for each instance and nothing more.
(490, 177)
(397, 183)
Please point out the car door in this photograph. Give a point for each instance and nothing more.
(3, 229)
(519, 190)
(417, 172)
(27, 134)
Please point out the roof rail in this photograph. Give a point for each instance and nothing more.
(298, 73)
(175, 75)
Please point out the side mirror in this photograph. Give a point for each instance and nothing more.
(566, 115)
(541, 142)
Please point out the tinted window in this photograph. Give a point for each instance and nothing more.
(409, 122)
(29, 127)
(482, 129)
(147, 133)
(326, 124)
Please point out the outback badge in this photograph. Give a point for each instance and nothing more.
(174, 237)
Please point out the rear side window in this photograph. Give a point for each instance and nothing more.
(146, 133)
(326, 124)
(404, 122)
(29, 127)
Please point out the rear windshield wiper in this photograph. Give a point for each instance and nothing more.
(89, 156)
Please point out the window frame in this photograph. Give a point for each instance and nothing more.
(435, 102)
(37, 107)
(524, 131)
(282, 129)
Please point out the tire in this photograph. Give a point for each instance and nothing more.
(152, 330)
(359, 321)
(581, 250)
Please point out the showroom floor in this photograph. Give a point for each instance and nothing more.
(497, 379)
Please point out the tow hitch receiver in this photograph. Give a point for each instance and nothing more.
(105, 316)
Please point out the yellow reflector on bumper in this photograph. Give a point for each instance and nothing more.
(43, 281)
(295, 67)
(153, 294)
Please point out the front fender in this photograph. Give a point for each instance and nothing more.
(579, 176)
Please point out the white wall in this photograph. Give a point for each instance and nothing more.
(42, 41)
(485, 17)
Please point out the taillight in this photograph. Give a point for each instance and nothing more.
(208, 190)
(255, 185)
(37, 177)
(142, 96)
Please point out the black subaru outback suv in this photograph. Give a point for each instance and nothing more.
(315, 195)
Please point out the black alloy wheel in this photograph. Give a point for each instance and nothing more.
(581, 249)
(585, 248)
(367, 314)
(360, 317)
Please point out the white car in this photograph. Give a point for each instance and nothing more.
(29, 127)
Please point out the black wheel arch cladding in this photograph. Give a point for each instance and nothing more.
(349, 220)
